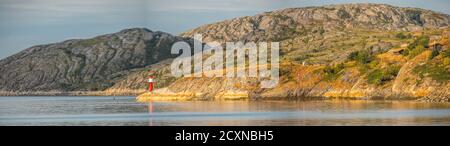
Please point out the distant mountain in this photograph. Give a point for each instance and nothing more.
(84, 64)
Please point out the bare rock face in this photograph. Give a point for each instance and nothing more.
(286, 23)
(84, 65)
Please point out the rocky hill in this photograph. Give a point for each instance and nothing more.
(318, 49)
(84, 64)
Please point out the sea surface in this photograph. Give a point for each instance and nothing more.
(117, 111)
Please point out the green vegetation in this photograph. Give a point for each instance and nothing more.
(400, 35)
(364, 68)
(437, 66)
(303, 57)
(333, 72)
(437, 72)
(415, 51)
(368, 65)
(362, 57)
(417, 47)
(381, 76)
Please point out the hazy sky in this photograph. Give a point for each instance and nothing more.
(24, 23)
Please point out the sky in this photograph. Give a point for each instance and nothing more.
(24, 23)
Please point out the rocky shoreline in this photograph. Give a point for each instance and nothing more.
(142, 96)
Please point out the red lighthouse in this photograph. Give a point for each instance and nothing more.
(150, 83)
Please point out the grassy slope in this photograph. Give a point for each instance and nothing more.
(361, 64)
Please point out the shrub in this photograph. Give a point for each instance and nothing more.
(436, 72)
(393, 71)
(417, 47)
(381, 76)
(375, 77)
(416, 51)
(400, 35)
(333, 72)
(362, 57)
(423, 41)
(420, 41)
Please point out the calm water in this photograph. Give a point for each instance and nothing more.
(125, 111)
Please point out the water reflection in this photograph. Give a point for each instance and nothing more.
(125, 111)
(150, 111)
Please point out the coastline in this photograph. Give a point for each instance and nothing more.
(143, 96)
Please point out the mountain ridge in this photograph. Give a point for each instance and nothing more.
(295, 19)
